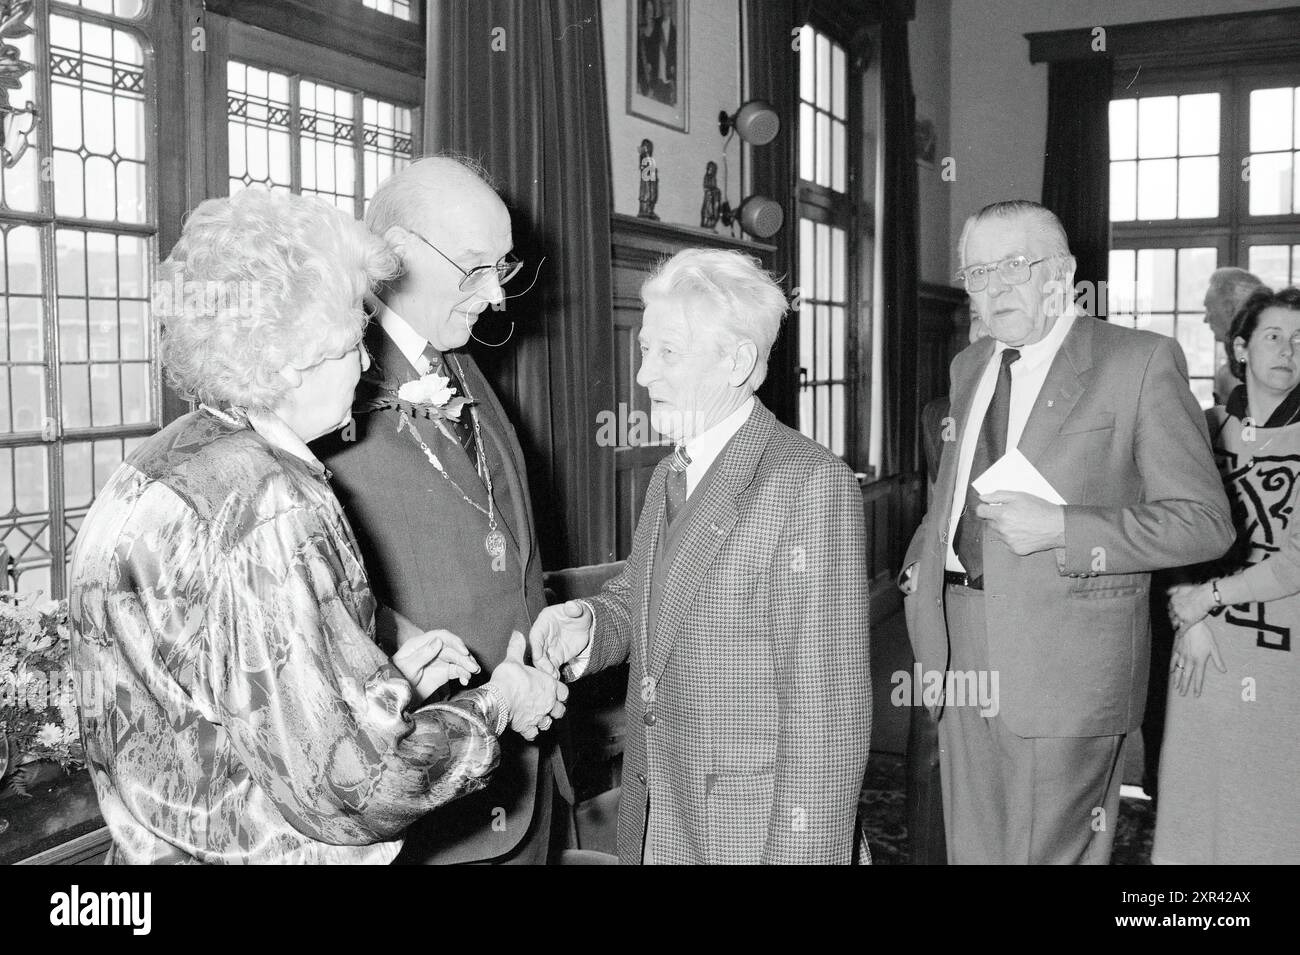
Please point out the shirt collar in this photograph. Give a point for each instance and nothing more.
(408, 341)
(706, 446)
(1047, 346)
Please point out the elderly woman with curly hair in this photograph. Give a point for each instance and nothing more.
(217, 591)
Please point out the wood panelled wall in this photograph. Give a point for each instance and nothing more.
(896, 503)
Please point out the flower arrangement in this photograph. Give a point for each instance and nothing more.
(38, 709)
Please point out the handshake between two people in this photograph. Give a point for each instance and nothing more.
(535, 694)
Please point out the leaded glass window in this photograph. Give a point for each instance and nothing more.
(288, 131)
(79, 383)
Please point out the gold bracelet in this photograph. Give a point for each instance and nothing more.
(503, 708)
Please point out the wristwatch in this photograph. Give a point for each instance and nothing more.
(1218, 600)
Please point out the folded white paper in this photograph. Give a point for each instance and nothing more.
(1013, 472)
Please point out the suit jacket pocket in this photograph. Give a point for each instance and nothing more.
(1095, 422)
(1110, 585)
(737, 807)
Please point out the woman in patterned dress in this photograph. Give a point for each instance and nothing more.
(1230, 764)
(241, 709)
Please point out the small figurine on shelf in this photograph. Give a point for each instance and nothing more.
(649, 194)
(712, 198)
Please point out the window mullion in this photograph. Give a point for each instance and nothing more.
(295, 133)
(359, 154)
(1235, 138)
(52, 425)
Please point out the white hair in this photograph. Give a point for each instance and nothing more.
(748, 302)
(259, 281)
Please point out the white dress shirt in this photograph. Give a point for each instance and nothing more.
(408, 341)
(703, 449)
(1028, 372)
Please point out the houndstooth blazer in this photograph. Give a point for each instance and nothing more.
(749, 708)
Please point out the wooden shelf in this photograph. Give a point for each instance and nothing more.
(670, 236)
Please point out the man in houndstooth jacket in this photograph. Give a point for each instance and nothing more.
(743, 605)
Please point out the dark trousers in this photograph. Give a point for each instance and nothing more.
(924, 791)
(1013, 800)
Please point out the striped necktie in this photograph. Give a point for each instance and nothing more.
(676, 480)
(464, 428)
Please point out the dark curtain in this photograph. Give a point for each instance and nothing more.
(1076, 168)
(898, 242)
(521, 88)
(773, 76)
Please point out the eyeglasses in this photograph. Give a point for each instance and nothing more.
(1013, 270)
(505, 270)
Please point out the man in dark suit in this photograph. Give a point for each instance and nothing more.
(1046, 604)
(436, 491)
(743, 605)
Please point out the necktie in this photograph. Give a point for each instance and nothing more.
(464, 428)
(676, 482)
(969, 542)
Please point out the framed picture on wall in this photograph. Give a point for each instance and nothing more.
(658, 61)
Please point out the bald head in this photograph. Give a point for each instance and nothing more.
(433, 193)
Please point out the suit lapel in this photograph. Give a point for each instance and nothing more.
(1061, 390)
(389, 369)
(653, 511)
(709, 523)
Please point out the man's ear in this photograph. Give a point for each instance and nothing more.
(744, 358)
(292, 375)
(397, 238)
(1068, 267)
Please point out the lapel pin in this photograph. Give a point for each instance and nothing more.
(1051, 403)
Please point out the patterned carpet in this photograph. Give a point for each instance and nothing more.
(886, 818)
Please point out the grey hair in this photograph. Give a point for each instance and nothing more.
(749, 303)
(1041, 219)
(1236, 283)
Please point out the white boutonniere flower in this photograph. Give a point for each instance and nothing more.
(434, 392)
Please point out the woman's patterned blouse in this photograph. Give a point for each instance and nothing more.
(234, 705)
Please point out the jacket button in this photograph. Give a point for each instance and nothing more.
(640, 777)
(649, 718)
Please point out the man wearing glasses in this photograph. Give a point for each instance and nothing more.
(437, 494)
(1047, 603)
